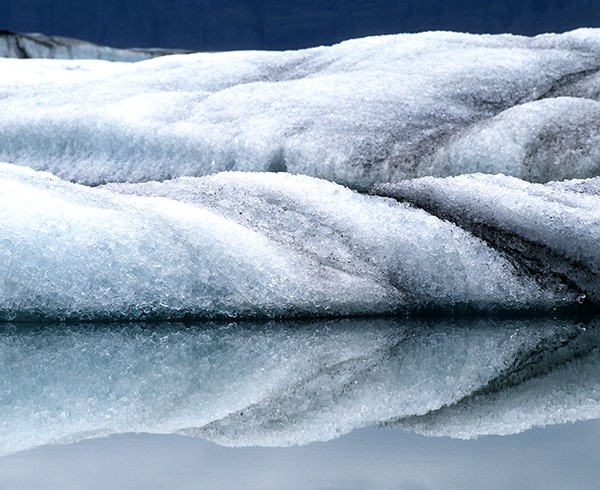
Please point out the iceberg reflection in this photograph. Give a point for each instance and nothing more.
(292, 383)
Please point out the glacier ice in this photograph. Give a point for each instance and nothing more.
(281, 384)
(370, 110)
(258, 244)
(553, 138)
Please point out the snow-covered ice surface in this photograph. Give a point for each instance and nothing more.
(282, 384)
(280, 245)
(370, 110)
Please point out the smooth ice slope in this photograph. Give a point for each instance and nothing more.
(378, 109)
(238, 244)
(35, 45)
(295, 383)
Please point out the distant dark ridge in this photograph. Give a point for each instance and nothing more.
(35, 45)
(275, 24)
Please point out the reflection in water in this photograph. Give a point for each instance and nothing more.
(279, 384)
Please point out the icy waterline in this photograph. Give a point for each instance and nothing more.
(279, 245)
(282, 384)
(371, 110)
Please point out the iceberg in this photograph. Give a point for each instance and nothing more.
(228, 188)
(36, 45)
(274, 245)
(282, 384)
(378, 109)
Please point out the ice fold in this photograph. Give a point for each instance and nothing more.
(550, 232)
(241, 245)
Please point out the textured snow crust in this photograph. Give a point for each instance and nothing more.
(370, 110)
(282, 384)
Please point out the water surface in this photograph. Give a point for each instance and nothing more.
(329, 404)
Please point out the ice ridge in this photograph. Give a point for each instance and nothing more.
(549, 231)
(378, 109)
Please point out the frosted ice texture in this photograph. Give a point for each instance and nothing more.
(238, 244)
(364, 111)
(279, 245)
(286, 384)
(554, 138)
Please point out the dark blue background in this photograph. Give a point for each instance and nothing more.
(282, 24)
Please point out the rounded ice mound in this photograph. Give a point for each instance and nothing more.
(549, 139)
(238, 245)
(378, 109)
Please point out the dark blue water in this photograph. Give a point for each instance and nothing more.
(272, 24)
